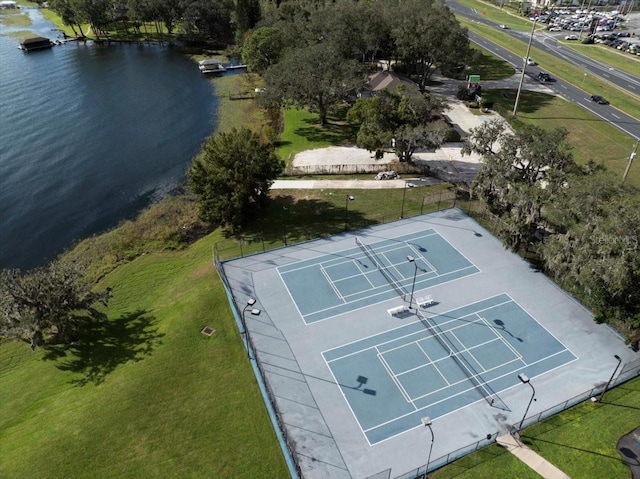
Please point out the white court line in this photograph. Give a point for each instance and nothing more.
(293, 301)
(331, 283)
(419, 254)
(394, 379)
(335, 380)
(468, 350)
(506, 343)
(421, 331)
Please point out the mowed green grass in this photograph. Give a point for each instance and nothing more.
(166, 401)
(581, 441)
(302, 131)
(589, 137)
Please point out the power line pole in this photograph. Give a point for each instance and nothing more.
(524, 67)
(631, 157)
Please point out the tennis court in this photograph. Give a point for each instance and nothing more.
(438, 364)
(352, 355)
(339, 283)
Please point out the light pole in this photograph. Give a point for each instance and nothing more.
(631, 157)
(245, 331)
(611, 378)
(284, 223)
(427, 422)
(411, 259)
(524, 67)
(524, 378)
(346, 211)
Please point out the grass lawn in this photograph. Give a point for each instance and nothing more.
(148, 396)
(590, 137)
(581, 441)
(490, 67)
(303, 132)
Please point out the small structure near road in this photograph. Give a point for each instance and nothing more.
(387, 175)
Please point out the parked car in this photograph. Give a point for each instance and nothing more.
(599, 100)
(555, 29)
(571, 37)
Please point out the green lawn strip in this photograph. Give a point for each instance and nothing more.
(582, 441)
(488, 463)
(490, 67)
(591, 138)
(499, 15)
(303, 132)
(626, 102)
(610, 56)
(236, 113)
(302, 215)
(173, 403)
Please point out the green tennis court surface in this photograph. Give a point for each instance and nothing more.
(466, 355)
(339, 283)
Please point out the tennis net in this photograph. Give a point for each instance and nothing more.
(490, 396)
(368, 251)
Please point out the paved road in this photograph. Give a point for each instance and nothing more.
(608, 113)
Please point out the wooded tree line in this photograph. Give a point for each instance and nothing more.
(214, 20)
(581, 221)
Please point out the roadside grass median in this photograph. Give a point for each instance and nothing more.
(626, 102)
(589, 137)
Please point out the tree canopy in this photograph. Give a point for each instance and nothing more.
(49, 304)
(314, 76)
(231, 176)
(402, 121)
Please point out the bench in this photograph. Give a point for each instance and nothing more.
(398, 310)
(425, 302)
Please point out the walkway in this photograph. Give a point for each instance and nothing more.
(352, 184)
(531, 458)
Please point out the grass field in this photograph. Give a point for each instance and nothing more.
(580, 441)
(148, 396)
(303, 132)
(590, 138)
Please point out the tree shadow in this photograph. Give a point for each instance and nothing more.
(529, 101)
(106, 345)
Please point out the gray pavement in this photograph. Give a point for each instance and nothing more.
(629, 449)
(326, 436)
(531, 458)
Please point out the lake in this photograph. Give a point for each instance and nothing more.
(89, 136)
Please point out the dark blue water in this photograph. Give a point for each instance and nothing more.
(90, 135)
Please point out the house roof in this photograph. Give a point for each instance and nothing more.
(389, 81)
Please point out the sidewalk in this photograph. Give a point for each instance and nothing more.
(352, 184)
(531, 458)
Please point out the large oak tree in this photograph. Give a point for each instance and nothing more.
(231, 175)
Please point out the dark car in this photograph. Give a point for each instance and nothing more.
(599, 100)
(544, 77)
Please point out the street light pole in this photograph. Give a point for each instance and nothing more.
(427, 422)
(524, 67)
(346, 211)
(404, 193)
(631, 157)
(284, 223)
(411, 259)
(611, 378)
(524, 379)
(245, 331)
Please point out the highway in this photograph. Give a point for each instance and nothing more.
(548, 43)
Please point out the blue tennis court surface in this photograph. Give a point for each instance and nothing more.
(338, 283)
(438, 364)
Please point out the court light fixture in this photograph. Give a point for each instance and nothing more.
(524, 379)
(346, 211)
(427, 423)
(611, 378)
(243, 319)
(411, 259)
